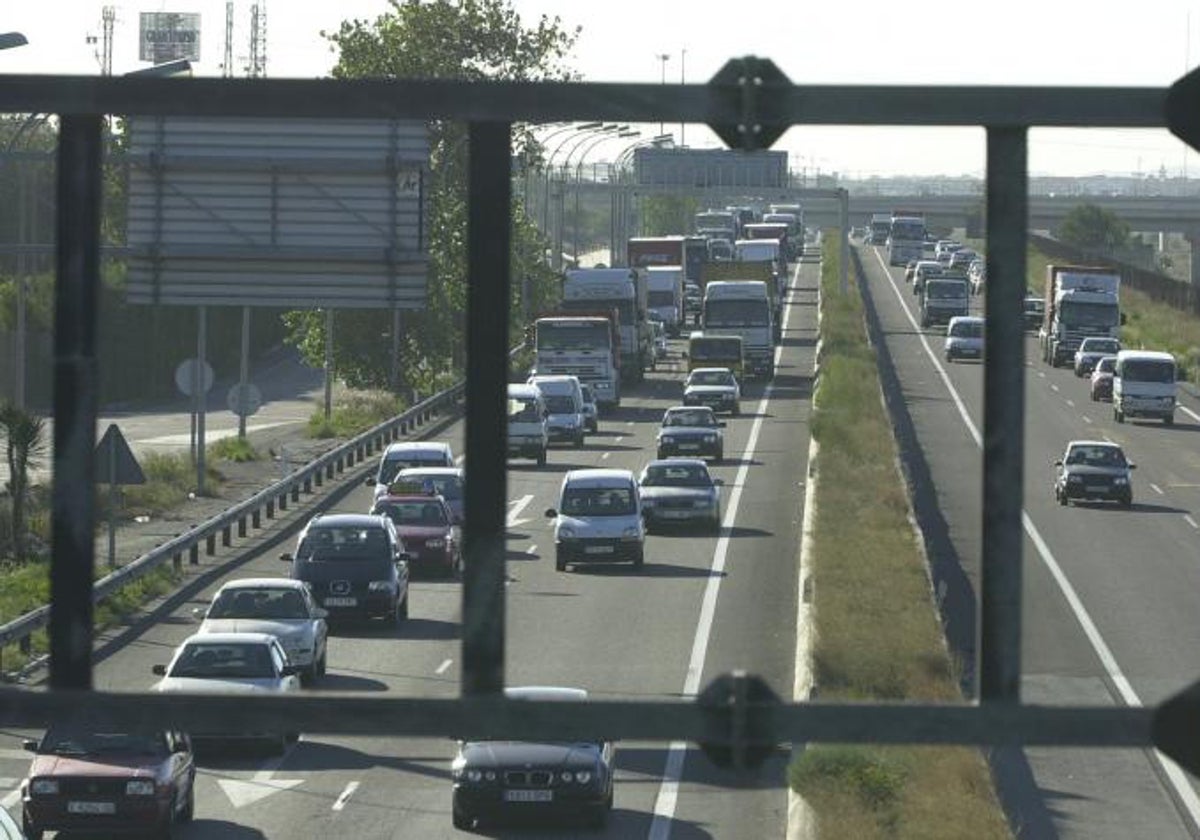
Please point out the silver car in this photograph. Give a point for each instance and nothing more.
(678, 490)
(591, 412)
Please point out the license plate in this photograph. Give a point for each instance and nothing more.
(528, 796)
(341, 602)
(91, 807)
(597, 549)
(689, 446)
(1098, 488)
(673, 514)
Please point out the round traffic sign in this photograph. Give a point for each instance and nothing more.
(244, 401)
(186, 376)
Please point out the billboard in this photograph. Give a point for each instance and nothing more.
(708, 168)
(290, 213)
(169, 36)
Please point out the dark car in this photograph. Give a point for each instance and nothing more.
(1102, 379)
(355, 564)
(1093, 469)
(679, 490)
(85, 782)
(426, 527)
(1035, 311)
(563, 779)
(691, 430)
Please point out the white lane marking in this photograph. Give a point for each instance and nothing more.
(668, 791)
(1189, 413)
(1187, 517)
(345, 795)
(1157, 489)
(1042, 374)
(1087, 419)
(604, 457)
(445, 666)
(11, 799)
(531, 550)
(1071, 403)
(619, 439)
(1054, 388)
(518, 505)
(1176, 776)
(261, 785)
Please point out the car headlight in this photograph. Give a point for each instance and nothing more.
(583, 776)
(44, 787)
(566, 533)
(381, 586)
(1121, 480)
(631, 531)
(435, 543)
(1074, 479)
(567, 776)
(710, 438)
(139, 787)
(473, 775)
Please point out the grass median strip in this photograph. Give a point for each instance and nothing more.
(877, 634)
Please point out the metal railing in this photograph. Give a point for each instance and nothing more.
(749, 104)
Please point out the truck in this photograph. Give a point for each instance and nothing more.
(707, 350)
(717, 224)
(943, 297)
(906, 237)
(691, 252)
(743, 308)
(795, 231)
(623, 289)
(1079, 302)
(774, 230)
(767, 252)
(879, 229)
(665, 295)
(763, 272)
(586, 345)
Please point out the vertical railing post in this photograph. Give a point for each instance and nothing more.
(1003, 415)
(489, 217)
(76, 384)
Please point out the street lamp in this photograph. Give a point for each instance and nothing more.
(549, 166)
(664, 58)
(682, 81)
(623, 131)
(604, 128)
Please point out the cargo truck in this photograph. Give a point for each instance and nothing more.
(717, 224)
(1080, 302)
(755, 271)
(906, 237)
(743, 308)
(586, 345)
(665, 295)
(880, 227)
(705, 350)
(943, 297)
(691, 252)
(623, 289)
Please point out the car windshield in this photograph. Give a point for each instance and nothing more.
(676, 475)
(72, 740)
(339, 544)
(205, 660)
(711, 377)
(559, 404)
(967, 329)
(523, 410)
(1100, 345)
(262, 603)
(1148, 370)
(690, 417)
(1095, 456)
(423, 513)
(735, 313)
(392, 464)
(946, 291)
(598, 501)
(448, 486)
(662, 298)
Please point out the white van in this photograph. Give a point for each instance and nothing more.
(598, 519)
(527, 436)
(1144, 385)
(564, 403)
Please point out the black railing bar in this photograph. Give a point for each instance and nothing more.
(992, 724)
(76, 398)
(1003, 415)
(489, 221)
(874, 105)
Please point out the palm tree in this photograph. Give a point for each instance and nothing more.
(23, 434)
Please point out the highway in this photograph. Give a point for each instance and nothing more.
(1109, 594)
(702, 605)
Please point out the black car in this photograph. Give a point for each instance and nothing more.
(1093, 469)
(691, 430)
(355, 565)
(1035, 312)
(563, 779)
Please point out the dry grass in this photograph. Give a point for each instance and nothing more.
(877, 636)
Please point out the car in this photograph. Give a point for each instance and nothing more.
(715, 387)
(406, 454)
(909, 270)
(355, 564)
(527, 434)
(679, 490)
(281, 607)
(563, 396)
(962, 259)
(1101, 385)
(230, 663)
(1093, 469)
(446, 482)
(943, 249)
(565, 779)
(1035, 311)
(598, 519)
(1091, 350)
(964, 338)
(426, 527)
(977, 275)
(90, 781)
(924, 270)
(720, 250)
(591, 411)
(660, 339)
(691, 430)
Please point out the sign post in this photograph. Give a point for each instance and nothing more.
(116, 465)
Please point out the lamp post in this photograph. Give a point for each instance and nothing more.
(682, 81)
(604, 128)
(623, 131)
(622, 215)
(549, 168)
(663, 58)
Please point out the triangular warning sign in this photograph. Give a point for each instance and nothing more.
(115, 463)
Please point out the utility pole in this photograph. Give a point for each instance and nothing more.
(663, 58)
(108, 16)
(258, 40)
(227, 64)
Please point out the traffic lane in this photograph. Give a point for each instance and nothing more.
(1042, 788)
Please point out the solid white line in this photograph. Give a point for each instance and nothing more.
(11, 799)
(1178, 780)
(1157, 489)
(345, 796)
(445, 666)
(518, 505)
(1187, 517)
(1189, 413)
(668, 791)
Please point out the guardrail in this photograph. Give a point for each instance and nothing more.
(250, 512)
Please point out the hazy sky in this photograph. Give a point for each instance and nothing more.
(1060, 42)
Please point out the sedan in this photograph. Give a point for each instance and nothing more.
(280, 607)
(1093, 469)
(230, 663)
(565, 779)
(1091, 350)
(1102, 379)
(680, 490)
(715, 387)
(446, 482)
(425, 525)
(693, 431)
(909, 270)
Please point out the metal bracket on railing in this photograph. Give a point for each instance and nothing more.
(755, 88)
(740, 708)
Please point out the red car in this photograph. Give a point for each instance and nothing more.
(426, 526)
(105, 783)
(1102, 379)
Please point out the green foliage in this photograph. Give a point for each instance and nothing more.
(234, 449)
(355, 413)
(871, 775)
(169, 481)
(24, 446)
(1091, 226)
(664, 215)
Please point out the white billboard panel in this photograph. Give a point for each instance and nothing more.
(168, 36)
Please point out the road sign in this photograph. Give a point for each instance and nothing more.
(115, 463)
(755, 86)
(185, 376)
(244, 402)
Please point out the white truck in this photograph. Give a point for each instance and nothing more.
(743, 308)
(665, 295)
(1144, 385)
(1080, 302)
(587, 347)
(623, 289)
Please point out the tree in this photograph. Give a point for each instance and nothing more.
(24, 446)
(442, 39)
(1090, 226)
(663, 215)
